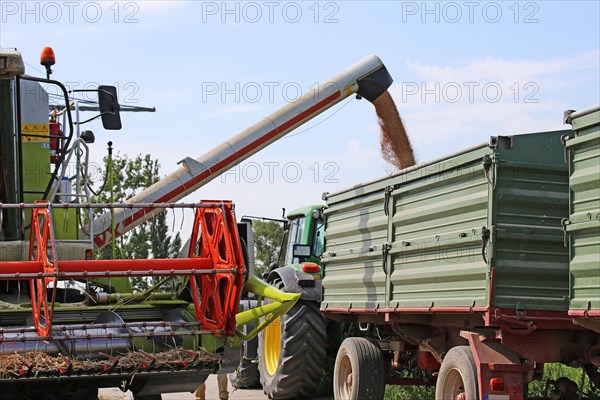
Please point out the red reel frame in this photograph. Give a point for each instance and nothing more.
(41, 249)
(215, 236)
(216, 246)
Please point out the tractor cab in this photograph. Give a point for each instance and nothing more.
(303, 241)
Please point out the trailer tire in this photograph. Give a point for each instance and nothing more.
(359, 371)
(458, 374)
(293, 368)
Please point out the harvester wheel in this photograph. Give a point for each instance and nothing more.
(458, 376)
(291, 352)
(246, 376)
(359, 371)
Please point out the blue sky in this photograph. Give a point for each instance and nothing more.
(463, 71)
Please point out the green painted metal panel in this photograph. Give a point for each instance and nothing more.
(36, 169)
(530, 201)
(436, 236)
(36, 173)
(65, 224)
(355, 232)
(583, 226)
(416, 239)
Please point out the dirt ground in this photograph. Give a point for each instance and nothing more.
(212, 393)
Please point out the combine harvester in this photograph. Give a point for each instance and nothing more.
(70, 324)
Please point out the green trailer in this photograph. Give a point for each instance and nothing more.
(453, 273)
(583, 225)
(477, 232)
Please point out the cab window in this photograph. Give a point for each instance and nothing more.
(295, 236)
(319, 238)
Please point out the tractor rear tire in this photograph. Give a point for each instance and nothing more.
(457, 376)
(291, 353)
(359, 372)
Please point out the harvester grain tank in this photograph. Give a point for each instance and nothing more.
(71, 324)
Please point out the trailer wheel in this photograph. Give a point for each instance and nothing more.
(359, 371)
(291, 352)
(457, 378)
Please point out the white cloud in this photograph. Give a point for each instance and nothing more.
(460, 105)
(498, 69)
(358, 151)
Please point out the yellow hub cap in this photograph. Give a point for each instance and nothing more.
(272, 345)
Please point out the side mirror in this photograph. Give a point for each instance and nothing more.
(109, 107)
(301, 251)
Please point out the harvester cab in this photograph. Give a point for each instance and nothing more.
(45, 153)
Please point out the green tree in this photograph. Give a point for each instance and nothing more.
(150, 239)
(267, 243)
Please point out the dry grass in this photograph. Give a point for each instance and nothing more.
(37, 363)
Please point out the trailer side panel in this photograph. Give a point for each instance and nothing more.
(583, 226)
(430, 238)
